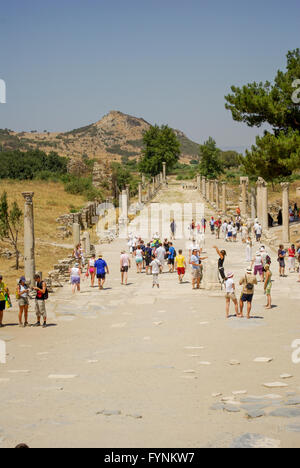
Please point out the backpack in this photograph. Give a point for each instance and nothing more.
(249, 286)
(44, 296)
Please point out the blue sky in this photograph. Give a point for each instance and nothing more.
(67, 63)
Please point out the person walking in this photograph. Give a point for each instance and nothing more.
(22, 294)
(125, 264)
(3, 293)
(281, 261)
(230, 294)
(257, 261)
(155, 269)
(40, 301)
(160, 255)
(75, 273)
(171, 258)
(268, 286)
(148, 258)
(173, 229)
(139, 258)
(102, 270)
(292, 258)
(248, 282)
(92, 269)
(180, 265)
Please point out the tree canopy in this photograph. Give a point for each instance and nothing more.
(275, 155)
(160, 145)
(10, 224)
(210, 159)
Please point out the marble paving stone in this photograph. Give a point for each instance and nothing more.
(255, 441)
(286, 413)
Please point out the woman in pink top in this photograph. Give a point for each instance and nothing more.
(125, 264)
(292, 259)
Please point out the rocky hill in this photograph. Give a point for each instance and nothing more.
(114, 136)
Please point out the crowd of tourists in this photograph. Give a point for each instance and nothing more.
(152, 258)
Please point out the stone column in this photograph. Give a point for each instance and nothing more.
(87, 243)
(198, 182)
(253, 203)
(204, 187)
(124, 206)
(164, 171)
(212, 183)
(153, 185)
(149, 192)
(128, 194)
(76, 234)
(207, 190)
(285, 213)
(140, 193)
(217, 192)
(143, 179)
(224, 197)
(259, 198)
(244, 192)
(29, 239)
(265, 218)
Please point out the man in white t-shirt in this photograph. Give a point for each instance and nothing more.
(160, 255)
(230, 294)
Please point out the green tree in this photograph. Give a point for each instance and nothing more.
(160, 145)
(276, 155)
(210, 159)
(273, 157)
(10, 224)
(230, 159)
(266, 103)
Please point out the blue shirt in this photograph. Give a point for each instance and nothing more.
(171, 253)
(195, 259)
(100, 265)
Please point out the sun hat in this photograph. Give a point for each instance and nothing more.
(22, 279)
(230, 275)
(249, 270)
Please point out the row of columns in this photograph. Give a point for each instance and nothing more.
(253, 204)
(212, 192)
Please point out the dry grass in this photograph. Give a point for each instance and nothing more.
(50, 201)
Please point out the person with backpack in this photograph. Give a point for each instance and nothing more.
(248, 282)
(3, 294)
(40, 301)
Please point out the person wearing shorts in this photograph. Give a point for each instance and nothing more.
(148, 258)
(40, 304)
(139, 258)
(23, 292)
(171, 258)
(75, 273)
(3, 292)
(268, 286)
(101, 269)
(92, 269)
(248, 282)
(281, 261)
(125, 264)
(197, 267)
(180, 265)
(230, 294)
(258, 265)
